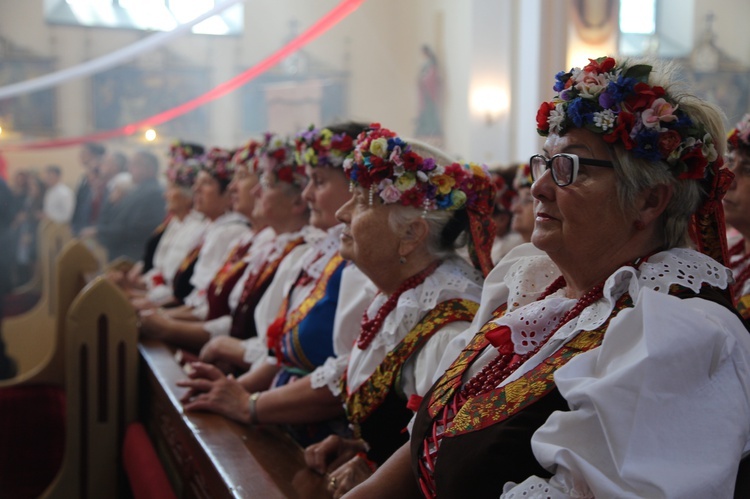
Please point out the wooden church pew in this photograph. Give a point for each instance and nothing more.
(101, 359)
(35, 339)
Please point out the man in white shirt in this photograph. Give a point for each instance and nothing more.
(59, 200)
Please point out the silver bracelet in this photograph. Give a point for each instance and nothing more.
(253, 409)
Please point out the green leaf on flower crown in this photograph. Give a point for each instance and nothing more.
(593, 128)
(639, 72)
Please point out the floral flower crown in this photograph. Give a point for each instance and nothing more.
(247, 155)
(218, 163)
(382, 162)
(321, 147)
(386, 165)
(279, 154)
(523, 176)
(504, 194)
(618, 102)
(184, 163)
(739, 137)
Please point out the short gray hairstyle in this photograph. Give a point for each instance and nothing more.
(437, 220)
(634, 175)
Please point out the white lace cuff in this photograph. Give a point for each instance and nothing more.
(255, 350)
(200, 311)
(329, 374)
(220, 326)
(159, 295)
(533, 488)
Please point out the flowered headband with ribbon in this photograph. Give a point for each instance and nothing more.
(739, 137)
(385, 165)
(316, 147)
(278, 153)
(247, 155)
(184, 163)
(617, 102)
(218, 163)
(523, 176)
(504, 194)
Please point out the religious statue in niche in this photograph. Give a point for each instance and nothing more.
(429, 114)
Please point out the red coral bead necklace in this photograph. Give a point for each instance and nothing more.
(370, 327)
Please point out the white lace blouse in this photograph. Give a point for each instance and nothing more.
(661, 408)
(454, 278)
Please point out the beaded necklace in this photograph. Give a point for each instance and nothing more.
(507, 361)
(742, 276)
(370, 327)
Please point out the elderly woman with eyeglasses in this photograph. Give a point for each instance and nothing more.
(615, 366)
(737, 212)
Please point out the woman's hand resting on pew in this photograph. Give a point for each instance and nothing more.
(210, 390)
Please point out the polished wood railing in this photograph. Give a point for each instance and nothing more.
(207, 455)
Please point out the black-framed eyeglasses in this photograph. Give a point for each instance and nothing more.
(564, 167)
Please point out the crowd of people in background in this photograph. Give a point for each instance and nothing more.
(424, 326)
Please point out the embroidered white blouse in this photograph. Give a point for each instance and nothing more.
(179, 237)
(220, 237)
(453, 279)
(661, 408)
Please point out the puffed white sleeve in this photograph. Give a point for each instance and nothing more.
(355, 295)
(659, 410)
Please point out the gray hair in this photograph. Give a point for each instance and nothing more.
(634, 175)
(437, 220)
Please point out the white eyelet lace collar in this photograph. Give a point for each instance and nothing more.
(530, 320)
(454, 278)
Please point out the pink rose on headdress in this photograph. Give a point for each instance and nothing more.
(388, 192)
(396, 156)
(659, 111)
(591, 85)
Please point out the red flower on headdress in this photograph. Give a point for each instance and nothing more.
(542, 116)
(411, 161)
(668, 142)
(643, 96)
(625, 122)
(603, 65)
(286, 174)
(696, 163)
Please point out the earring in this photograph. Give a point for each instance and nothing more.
(402, 260)
(639, 225)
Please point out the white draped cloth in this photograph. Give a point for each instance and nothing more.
(179, 237)
(220, 237)
(453, 279)
(661, 408)
(267, 246)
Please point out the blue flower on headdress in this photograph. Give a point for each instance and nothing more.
(444, 202)
(616, 91)
(580, 111)
(396, 141)
(561, 79)
(647, 145)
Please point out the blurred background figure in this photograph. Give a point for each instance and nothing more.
(7, 212)
(59, 199)
(29, 205)
(737, 212)
(505, 238)
(88, 192)
(125, 230)
(523, 204)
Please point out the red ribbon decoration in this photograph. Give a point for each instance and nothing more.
(333, 17)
